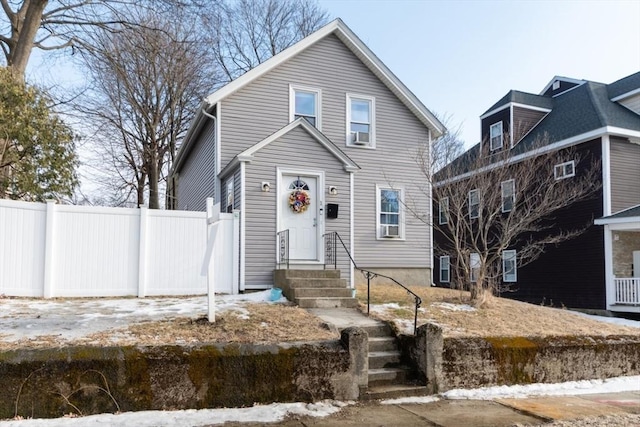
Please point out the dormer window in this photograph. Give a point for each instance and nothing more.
(495, 136)
(305, 102)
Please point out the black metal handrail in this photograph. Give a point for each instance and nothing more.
(283, 248)
(330, 241)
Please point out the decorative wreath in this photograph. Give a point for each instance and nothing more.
(299, 200)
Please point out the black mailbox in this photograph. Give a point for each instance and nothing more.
(332, 210)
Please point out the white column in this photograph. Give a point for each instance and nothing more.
(49, 245)
(608, 268)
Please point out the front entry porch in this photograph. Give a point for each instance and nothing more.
(622, 260)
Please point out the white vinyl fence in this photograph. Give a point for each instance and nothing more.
(55, 250)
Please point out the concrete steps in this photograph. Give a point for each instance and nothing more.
(388, 377)
(315, 288)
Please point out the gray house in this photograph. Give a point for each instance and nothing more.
(321, 138)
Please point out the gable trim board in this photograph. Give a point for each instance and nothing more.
(626, 95)
(513, 104)
(353, 43)
(577, 82)
(248, 154)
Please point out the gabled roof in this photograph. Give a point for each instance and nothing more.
(248, 154)
(353, 43)
(584, 112)
(524, 98)
(561, 79)
(627, 215)
(625, 87)
(579, 111)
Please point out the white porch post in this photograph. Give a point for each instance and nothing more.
(608, 268)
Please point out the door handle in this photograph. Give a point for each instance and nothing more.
(315, 221)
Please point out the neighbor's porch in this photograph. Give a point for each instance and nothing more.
(622, 260)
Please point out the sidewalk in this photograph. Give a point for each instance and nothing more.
(622, 409)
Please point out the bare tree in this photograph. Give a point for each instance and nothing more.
(59, 24)
(488, 203)
(245, 33)
(147, 82)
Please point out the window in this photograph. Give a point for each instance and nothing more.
(508, 195)
(444, 269)
(474, 204)
(443, 211)
(509, 266)
(474, 265)
(305, 102)
(495, 135)
(229, 205)
(390, 220)
(360, 120)
(564, 170)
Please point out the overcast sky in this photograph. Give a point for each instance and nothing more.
(460, 57)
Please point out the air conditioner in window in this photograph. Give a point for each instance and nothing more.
(360, 138)
(390, 231)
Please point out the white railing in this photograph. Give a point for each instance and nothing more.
(627, 290)
(55, 250)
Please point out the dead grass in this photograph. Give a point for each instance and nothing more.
(502, 317)
(275, 323)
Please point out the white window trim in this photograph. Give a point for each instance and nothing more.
(513, 194)
(400, 208)
(448, 269)
(471, 210)
(443, 214)
(474, 263)
(292, 102)
(491, 137)
(508, 255)
(560, 166)
(372, 124)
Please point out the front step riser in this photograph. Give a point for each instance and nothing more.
(327, 302)
(382, 344)
(321, 293)
(379, 362)
(316, 283)
(380, 331)
(280, 275)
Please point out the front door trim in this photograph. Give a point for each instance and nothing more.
(319, 175)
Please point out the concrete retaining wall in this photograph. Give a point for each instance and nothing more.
(88, 380)
(470, 362)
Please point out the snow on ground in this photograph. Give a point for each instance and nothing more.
(454, 307)
(191, 417)
(278, 411)
(74, 318)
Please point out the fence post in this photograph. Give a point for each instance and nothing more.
(236, 253)
(212, 229)
(49, 244)
(142, 253)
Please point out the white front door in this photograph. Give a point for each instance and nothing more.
(299, 208)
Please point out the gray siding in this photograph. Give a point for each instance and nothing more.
(625, 174)
(296, 150)
(632, 103)
(197, 177)
(262, 107)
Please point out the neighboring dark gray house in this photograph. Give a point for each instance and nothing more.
(601, 268)
(320, 138)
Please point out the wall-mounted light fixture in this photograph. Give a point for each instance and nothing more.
(333, 190)
(266, 187)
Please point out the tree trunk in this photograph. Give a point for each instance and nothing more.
(154, 200)
(26, 34)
